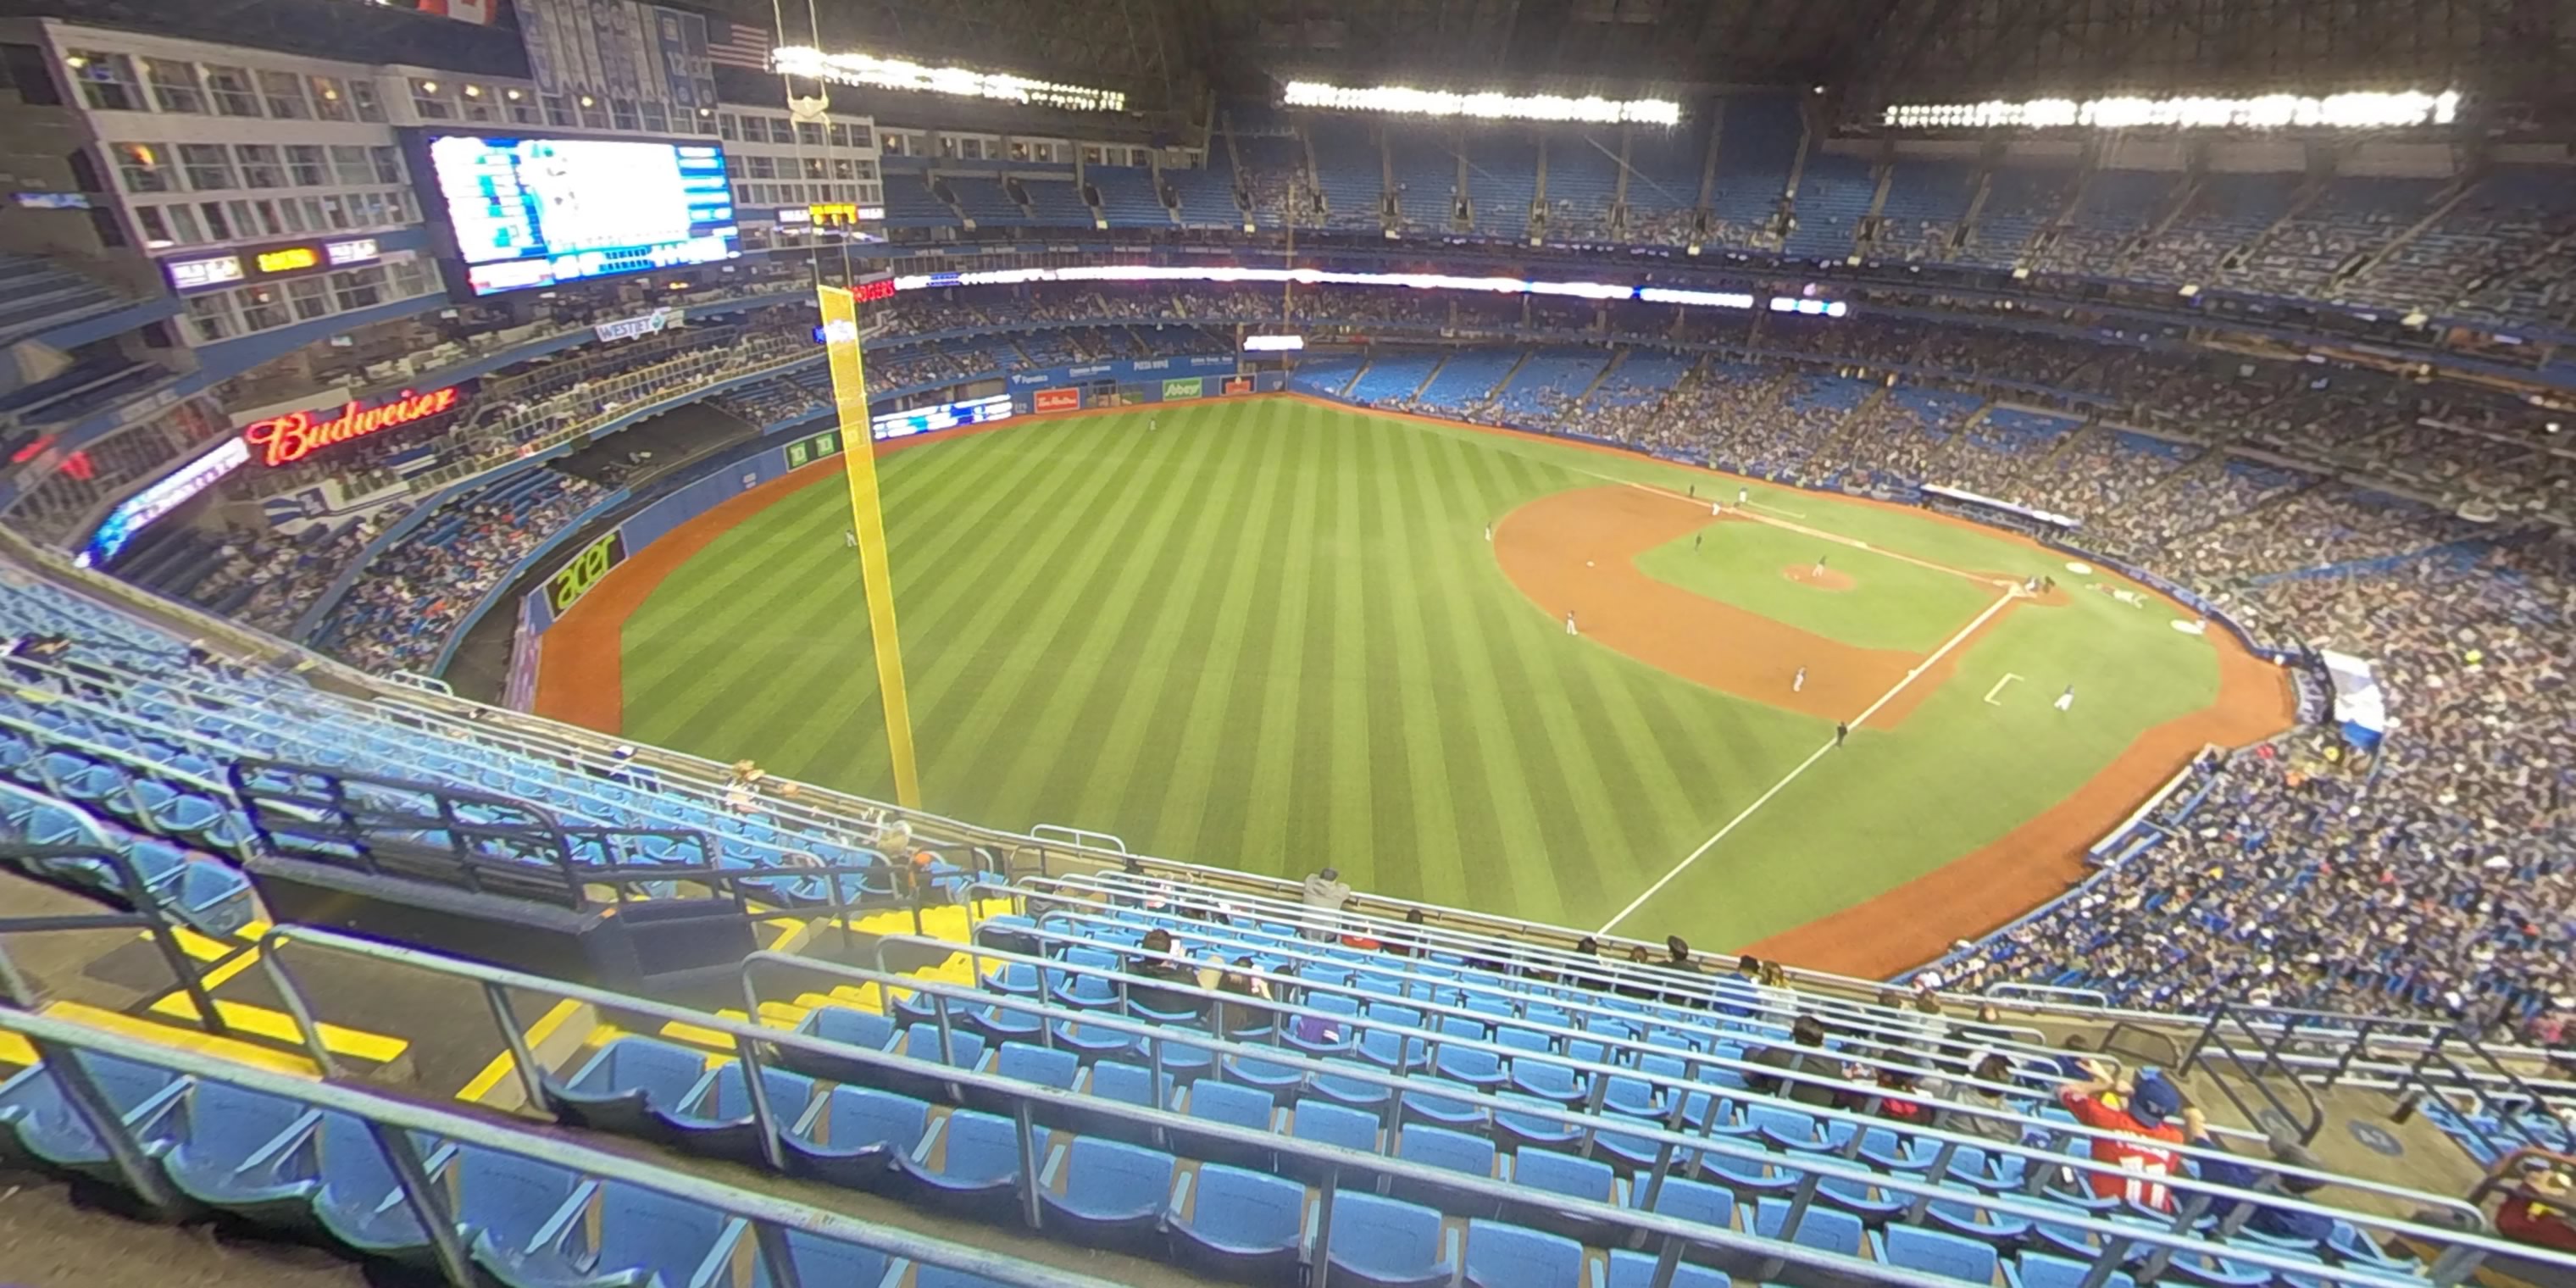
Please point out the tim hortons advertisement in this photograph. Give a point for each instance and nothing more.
(284, 440)
(1057, 400)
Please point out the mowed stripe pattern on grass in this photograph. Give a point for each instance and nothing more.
(1267, 635)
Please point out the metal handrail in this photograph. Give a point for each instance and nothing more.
(392, 1120)
(1420, 936)
(2465, 1249)
(1747, 996)
(2040, 1160)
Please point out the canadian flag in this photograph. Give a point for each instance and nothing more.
(474, 11)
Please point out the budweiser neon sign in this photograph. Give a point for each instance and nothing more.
(289, 439)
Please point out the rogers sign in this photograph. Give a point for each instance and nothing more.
(288, 439)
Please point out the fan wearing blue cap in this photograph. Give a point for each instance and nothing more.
(2143, 1115)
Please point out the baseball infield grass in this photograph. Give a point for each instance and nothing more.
(1892, 603)
(1271, 634)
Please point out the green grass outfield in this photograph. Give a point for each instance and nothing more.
(1271, 635)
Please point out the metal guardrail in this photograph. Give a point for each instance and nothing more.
(752, 1041)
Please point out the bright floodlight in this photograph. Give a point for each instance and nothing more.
(1487, 106)
(896, 73)
(2268, 112)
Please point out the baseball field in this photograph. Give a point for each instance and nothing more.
(1278, 634)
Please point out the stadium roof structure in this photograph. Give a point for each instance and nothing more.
(1165, 53)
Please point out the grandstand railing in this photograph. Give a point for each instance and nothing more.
(144, 913)
(2462, 1251)
(391, 1120)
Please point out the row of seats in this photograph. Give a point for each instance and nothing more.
(284, 1165)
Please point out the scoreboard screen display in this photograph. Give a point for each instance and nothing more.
(923, 420)
(539, 212)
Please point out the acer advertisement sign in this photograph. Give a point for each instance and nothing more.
(284, 440)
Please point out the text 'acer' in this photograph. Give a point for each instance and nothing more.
(288, 439)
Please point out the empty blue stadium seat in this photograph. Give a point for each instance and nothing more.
(1327, 1123)
(39, 1125)
(824, 1261)
(1545, 1172)
(719, 1121)
(1114, 1196)
(1239, 1225)
(854, 1134)
(503, 1200)
(1934, 1252)
(1235, 1106)
(642, 1236)
(1386, 1243)
(978, 1168)
(220, 1151)
(2040, 1270)
(1507, 1256)
(622, 1085)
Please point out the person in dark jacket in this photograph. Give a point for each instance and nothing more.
(2278, 1222)
(1159, 975)
(1809, 1032)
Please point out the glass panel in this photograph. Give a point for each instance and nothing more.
(143, 166)
(209, 169)
(330, 98)
(284, 94)
(174, 85)
(230, 88)
(106, 80)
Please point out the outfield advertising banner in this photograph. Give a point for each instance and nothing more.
(1177, 390)
(575, 579)
(1122, 373)
(1238, 385)
(1057, 400)
(805, 451)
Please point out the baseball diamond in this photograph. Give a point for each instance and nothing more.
(1273, 634)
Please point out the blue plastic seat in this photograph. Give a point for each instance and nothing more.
(642, 1236)
(999, 1024)
(1934, 1252)
(1536, 1130)
(1454, 1151)
(978, 1172)
(1385, 1243)
(221, 1150)
(42, 1127)
(1344, 1090)
(853, 1135)
(1091, 1042)
(824, 1261)
(1421, 1101)
(719, 1122)
(622, 1084)
(1637, 1270)
(2040, 1270)
(1114, 1197)
(358, 1201)
(1277, 1079)
(1819, 1227)
(1241, 1225)
(1861, 1198)
(1027, 1062)
(922, 1042)
(1507, 1256)
(504, 1199)
(1125, 1084)
(1629, 1152)
(1327, 1123)
(1972, 1221)
(1183, 1060)
(2210, 1271)
(1234, 1106)
(1544, 1172)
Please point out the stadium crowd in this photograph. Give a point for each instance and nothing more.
(399, 615)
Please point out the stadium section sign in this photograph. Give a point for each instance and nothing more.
(629, 328)
(291, 438)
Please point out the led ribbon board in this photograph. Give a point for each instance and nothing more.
(896, 73)
(291, 438)
(1319, 277)
(2265, 112)
(1483, 106)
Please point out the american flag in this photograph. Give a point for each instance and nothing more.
(738, 44)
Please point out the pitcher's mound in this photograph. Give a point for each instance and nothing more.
(1806, 575)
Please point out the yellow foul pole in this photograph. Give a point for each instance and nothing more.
(876, 577)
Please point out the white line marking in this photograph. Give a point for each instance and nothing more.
(2009, 677)
(1820, 534)
(2004, 601)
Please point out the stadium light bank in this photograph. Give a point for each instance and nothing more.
(2266, 112)
(1591, 109)
(897, 73)
(1321, 277)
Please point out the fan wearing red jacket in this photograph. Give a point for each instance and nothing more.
(2144, 1115)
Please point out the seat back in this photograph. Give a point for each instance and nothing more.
(1226, 1103)
(508, 1197)
(982, 1147)
(640, 1229)
(1818, 1227)
(1942, 1254)
(857, 1117)
(1247, 1208)
(1579, 1178)
(824, 1261)
(1029, 1062)
(1322, 1121)
(1384, 1234)
(1108, 1173)
(728, 1095)
(226, 1125)
(1440, 1147)
(856, 1027)
(1507, 1256)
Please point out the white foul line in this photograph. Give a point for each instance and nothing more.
(2010, 594)
(2009, 677)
